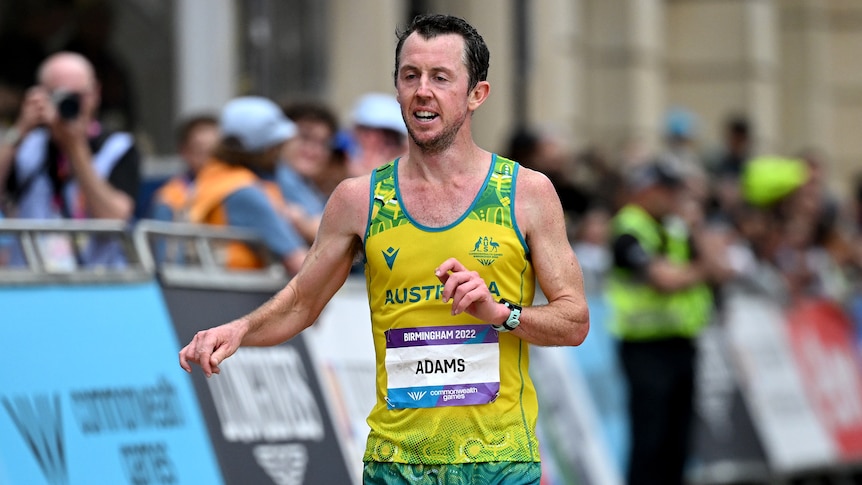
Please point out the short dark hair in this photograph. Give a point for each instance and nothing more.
(738, 125)
(188, 125)
(476, 55)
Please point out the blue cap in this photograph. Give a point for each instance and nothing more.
(680, 123)
(343, 141)
(378, 110)
(256, 122)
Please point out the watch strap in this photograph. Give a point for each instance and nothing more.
(513, 321)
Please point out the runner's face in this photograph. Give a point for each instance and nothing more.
(432, 85)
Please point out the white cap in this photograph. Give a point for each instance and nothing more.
(378, 110)
(256, 122)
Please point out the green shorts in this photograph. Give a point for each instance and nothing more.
(493, 473)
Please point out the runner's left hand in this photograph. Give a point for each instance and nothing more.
(468, 292)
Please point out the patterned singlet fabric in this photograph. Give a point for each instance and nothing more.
(449, 388)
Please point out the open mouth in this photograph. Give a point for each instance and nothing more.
(425, 115)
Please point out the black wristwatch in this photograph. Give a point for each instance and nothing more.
(514, 319)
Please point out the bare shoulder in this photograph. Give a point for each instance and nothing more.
(536, 201)
(348, 205)
(352, 189)
(534, 183)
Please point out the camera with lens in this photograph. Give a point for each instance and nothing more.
(68, 104)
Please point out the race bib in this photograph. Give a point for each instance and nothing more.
(456, 365)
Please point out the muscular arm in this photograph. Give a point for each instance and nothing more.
(298, 305)
(668, 276)
(565, 319)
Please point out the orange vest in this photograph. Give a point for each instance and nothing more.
(213, 184)
(174, 193)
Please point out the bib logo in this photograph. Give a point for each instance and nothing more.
(486, 250)
(416, 395)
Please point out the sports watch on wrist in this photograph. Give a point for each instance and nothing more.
(514, 319)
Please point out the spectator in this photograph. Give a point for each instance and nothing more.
(659, 293)
(769, 182)
(726, 164)
(379, 132)
(305, 159)
(235, 187)
(815, 198)
(809, 249)
(680, 138)
(58, 161)
(337, 169)
(197, 137)
(681, 133)
(590, 243)
(736, 150)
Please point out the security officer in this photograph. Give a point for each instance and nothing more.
(660, 295)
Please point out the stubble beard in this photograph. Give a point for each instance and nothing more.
(439, 143)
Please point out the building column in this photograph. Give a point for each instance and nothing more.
(555, 72)
(358, 65)
(625, 95)
(723, 59)
(207, 57)
(845, 94)
(805, 80)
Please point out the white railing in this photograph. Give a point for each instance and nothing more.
(190, 255)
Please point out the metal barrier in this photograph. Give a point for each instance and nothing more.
(32, 241)
(190, 255)
(265, 419)
(195, 258)
(792, 411)
(67, 409)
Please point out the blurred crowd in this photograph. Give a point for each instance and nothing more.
(256, 164)
(280, 160)
(768, 222)
(767, 214)
(668, 238)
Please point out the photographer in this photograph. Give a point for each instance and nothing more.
(57, 161)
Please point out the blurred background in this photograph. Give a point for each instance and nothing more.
(582, 90)
(599, 73)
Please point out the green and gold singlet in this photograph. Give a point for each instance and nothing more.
(449, 388)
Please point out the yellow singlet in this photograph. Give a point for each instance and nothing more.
(449, 388)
